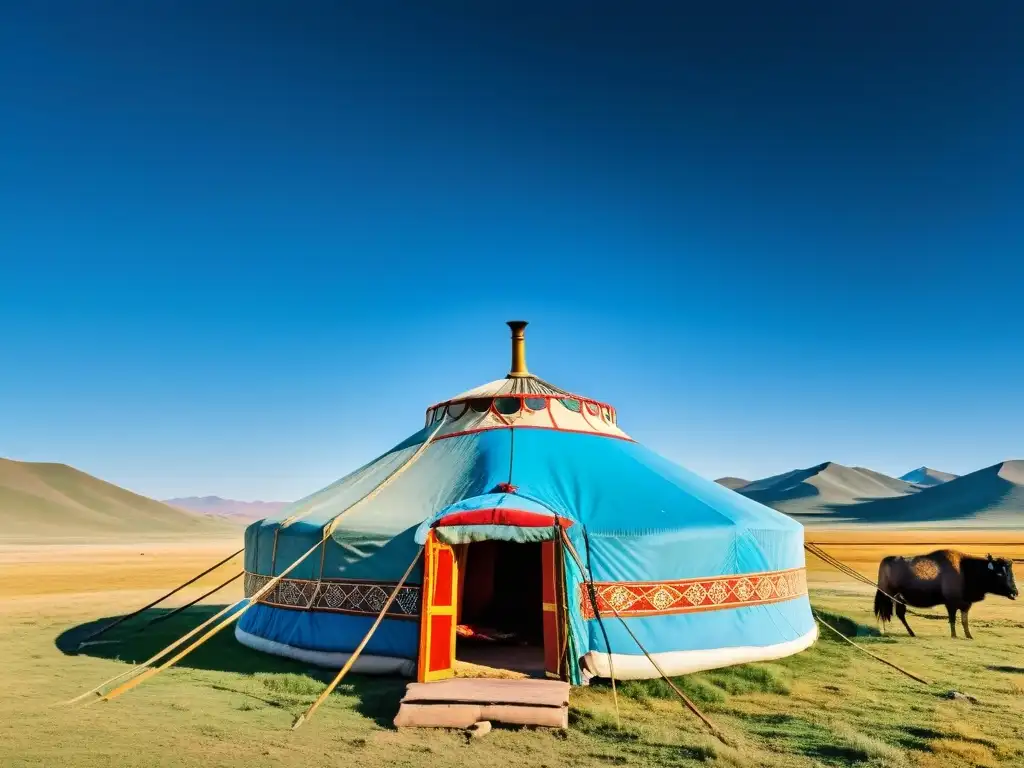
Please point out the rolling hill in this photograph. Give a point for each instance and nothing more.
(817, 493)
(50, 502)
(926, 477)
(243, 511)
(833, 494)
(992, 497)
(828, 483)
(732, 483)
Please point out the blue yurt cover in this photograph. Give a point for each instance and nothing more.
(702, 576)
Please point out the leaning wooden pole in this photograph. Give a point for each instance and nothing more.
(159, 600)
(153, 671)
(685, 699)
(359, 648)
(247, 604)
(255, 598)
(592, 593)
(138, 668)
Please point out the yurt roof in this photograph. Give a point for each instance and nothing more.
(522, 400)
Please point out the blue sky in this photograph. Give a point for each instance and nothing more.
(244, 245)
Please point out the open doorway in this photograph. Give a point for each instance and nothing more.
(501, 606)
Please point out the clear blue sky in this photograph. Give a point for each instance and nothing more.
(244, 244)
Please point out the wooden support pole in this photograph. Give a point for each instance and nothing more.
(359, 648)
(592, 593)
(328, 529)
(248, 603)
(156, 657)
(686, 699)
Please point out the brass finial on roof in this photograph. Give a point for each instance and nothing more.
(518, 370)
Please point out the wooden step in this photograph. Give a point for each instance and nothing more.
(459, 703)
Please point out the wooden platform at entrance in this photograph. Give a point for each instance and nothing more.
(459, 703)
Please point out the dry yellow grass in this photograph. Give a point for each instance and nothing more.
(228, 706)
(69, 569)
(468, 669)
(863, 548)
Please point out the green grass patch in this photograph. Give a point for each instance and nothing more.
(714, 687)
(229, 706)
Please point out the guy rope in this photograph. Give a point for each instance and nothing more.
(593, 597)
(842, 567)
(111, 625)
(186, 606)
(143, 671)
(869, 653)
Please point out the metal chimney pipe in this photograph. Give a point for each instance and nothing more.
(518, 370)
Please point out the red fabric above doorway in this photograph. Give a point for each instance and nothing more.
(501, 516)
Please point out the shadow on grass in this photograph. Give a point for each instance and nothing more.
(1009, 669)
(285, 683)
(917, 737)
(797, 735)
(846, 625)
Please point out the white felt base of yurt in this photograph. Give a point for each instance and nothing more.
(639, 667)
(365, 664)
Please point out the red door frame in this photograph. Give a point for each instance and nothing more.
(553, 597)
(441, 600)
(438, 611)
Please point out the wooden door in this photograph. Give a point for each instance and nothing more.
(438, 612)
(553, 597)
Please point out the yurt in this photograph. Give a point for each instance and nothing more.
(535, 535)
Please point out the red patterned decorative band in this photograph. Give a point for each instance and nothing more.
(520, 518)
(660, 598)
(359, 598)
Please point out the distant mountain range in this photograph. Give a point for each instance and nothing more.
(246, 511)
(55, 502)
(926, 476)
(830, 494)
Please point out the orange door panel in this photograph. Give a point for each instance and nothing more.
(438, 612)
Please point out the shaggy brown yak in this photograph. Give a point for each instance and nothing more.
(946, 576)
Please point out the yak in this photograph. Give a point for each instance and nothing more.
(943, 577)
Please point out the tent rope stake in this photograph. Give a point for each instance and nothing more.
(247, 603)
(174, 591)
(359, 648)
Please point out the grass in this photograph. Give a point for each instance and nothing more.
(228, 706)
